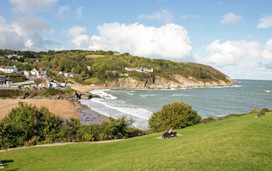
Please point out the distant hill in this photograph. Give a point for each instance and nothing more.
(125, 71)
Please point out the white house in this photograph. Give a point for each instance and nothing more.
(37, 73)
(9, 69)
(89, 68)
(67, 74)
(139, 69)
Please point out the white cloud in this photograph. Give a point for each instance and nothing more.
(267, 51)
(265, 22)
(24, 34)
(230, 18)
(62, 10)
(163, 15)
(79, 12)
(233, 52)
(170, 41)
(241, 59)
(30, 24)
(32, 6)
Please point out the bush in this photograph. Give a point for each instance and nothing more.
(207, 120)
(26, 125)
(254, 111)
(6, 93)
(175, 115)
(264, 110)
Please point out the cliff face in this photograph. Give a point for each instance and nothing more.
(158, 82)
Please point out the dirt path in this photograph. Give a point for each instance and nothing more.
(60, 144)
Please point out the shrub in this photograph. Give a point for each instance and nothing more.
(264, 110)
(207, 120)
(254, 111)
(175, 115)
(25, 123)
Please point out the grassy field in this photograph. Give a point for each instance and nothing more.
(95, 56)
(242, 143)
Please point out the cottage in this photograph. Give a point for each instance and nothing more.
(116, 53)
(124, 75)
(27, 73)
(67, 74)
(89, 68)
(139, 69)
(9, 69)
(37, 73)
(4, 80)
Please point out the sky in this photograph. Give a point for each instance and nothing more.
(233, 36)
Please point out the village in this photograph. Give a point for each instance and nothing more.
(39, 79)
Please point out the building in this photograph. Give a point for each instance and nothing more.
(4, 80)
(139, 69)
(38, 73)
(116, 53)
(9, 69)
(67, 74)
(89, 68)
(124, 75)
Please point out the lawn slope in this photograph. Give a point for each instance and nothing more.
(242, 143)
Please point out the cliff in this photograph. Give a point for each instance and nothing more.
(158, 82)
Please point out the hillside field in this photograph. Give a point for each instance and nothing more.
(242, 143)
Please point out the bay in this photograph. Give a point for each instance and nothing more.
(139, 105)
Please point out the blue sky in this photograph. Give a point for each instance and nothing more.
(234, 36)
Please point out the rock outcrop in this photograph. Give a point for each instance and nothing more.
(158, 82)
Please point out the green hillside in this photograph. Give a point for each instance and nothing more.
(242, 143)
(105, 66)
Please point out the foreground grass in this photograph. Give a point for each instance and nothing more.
(242, 143)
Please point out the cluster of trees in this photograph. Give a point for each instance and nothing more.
(176, 115)
(28, 125)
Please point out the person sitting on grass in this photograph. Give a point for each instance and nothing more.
(170, 131)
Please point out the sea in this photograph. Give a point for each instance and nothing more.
(242, 97)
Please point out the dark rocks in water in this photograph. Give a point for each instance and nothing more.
(86, 96)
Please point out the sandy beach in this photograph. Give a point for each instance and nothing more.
(87, 88)
(65, 109)
(62, 108)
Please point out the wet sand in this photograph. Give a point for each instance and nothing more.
(88, 116)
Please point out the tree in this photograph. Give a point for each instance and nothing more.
(175, 115)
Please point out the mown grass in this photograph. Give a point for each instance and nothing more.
(242, 143)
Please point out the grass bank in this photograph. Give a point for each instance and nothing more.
(242, 143)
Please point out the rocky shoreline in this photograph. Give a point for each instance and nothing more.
(88, 116)
(158, 82)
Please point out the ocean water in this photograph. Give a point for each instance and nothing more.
(139, 105)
